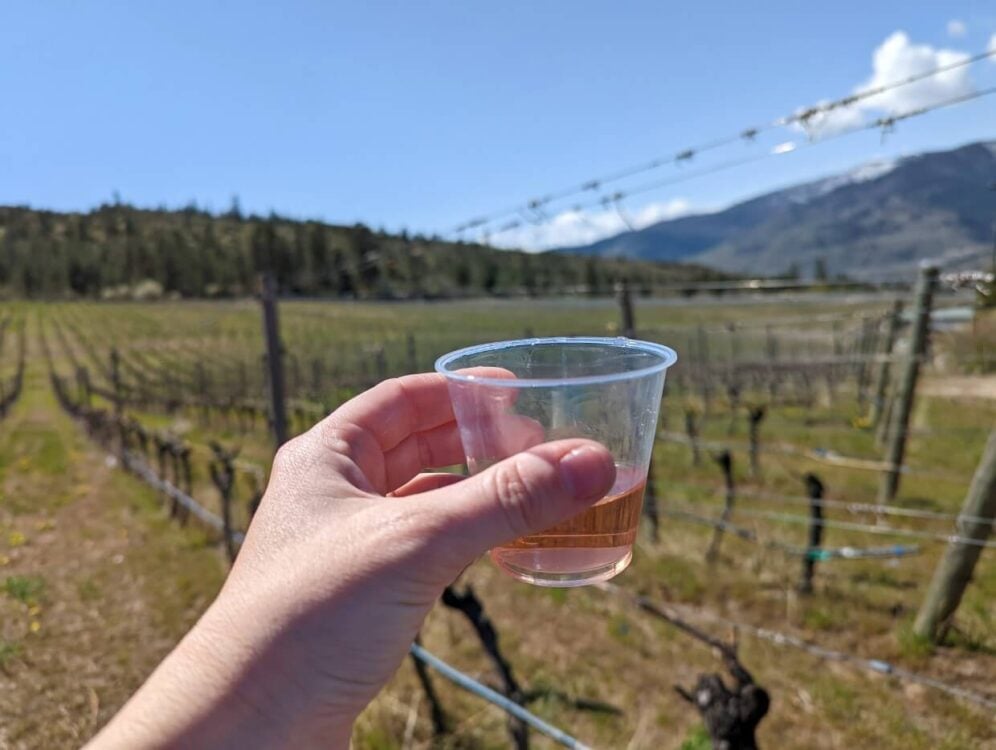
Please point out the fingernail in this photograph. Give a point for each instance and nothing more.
(587, 471)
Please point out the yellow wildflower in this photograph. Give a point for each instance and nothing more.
(16, 539)
(35, 626)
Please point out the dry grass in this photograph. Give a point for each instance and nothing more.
(104, 624)
(98, 586)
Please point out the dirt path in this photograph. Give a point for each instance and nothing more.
(961, 386)
(95, 582)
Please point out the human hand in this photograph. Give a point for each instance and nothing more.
(349, 550)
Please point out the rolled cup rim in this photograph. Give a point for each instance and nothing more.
(668, 357)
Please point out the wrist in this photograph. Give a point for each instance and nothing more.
(224, 686)
(272, 689)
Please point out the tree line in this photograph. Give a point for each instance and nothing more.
(118, 250)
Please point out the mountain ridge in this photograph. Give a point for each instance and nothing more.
(875, 220)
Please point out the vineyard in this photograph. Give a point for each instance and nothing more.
(809, 474)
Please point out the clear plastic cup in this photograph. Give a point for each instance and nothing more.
(511, 395)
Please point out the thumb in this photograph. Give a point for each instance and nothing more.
(524, 494)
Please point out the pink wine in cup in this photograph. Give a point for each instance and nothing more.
(592, 546)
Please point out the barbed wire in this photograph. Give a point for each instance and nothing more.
(801, 117)
(848, 505)
(820, 455)
(812, 553)
(849, 526)
(779, 150)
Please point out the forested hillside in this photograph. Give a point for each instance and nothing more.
(117, 250)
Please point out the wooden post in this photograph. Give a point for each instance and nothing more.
(627, 323)
(174, 462)
(756, 416)
(882, 376)
(223, 475)
(188, 479)
(814, 489)
(907, 385)
(274, 360)
(733, 393)
(162, 450)
(954, 571)
(725, 461)
(693, 435)
(118, 389)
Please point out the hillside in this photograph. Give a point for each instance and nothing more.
(118, 250)
(872, 222)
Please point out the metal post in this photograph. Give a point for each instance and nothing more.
(954, 571)
(274, 359)
(814, 489)
(907, 385)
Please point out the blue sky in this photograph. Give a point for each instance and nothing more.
(424, 114)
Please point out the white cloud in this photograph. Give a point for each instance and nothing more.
(957, 28)
(894, 60)
(898, 58)
(992, 47)
(581, 227)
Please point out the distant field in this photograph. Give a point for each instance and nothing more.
(98, 583)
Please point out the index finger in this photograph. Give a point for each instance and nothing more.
(396, 408)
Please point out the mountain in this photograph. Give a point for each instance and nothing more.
(875, 221)
(121, 251)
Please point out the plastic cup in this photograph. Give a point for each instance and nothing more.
(512, 395)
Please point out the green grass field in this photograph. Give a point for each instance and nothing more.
(97, 583)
